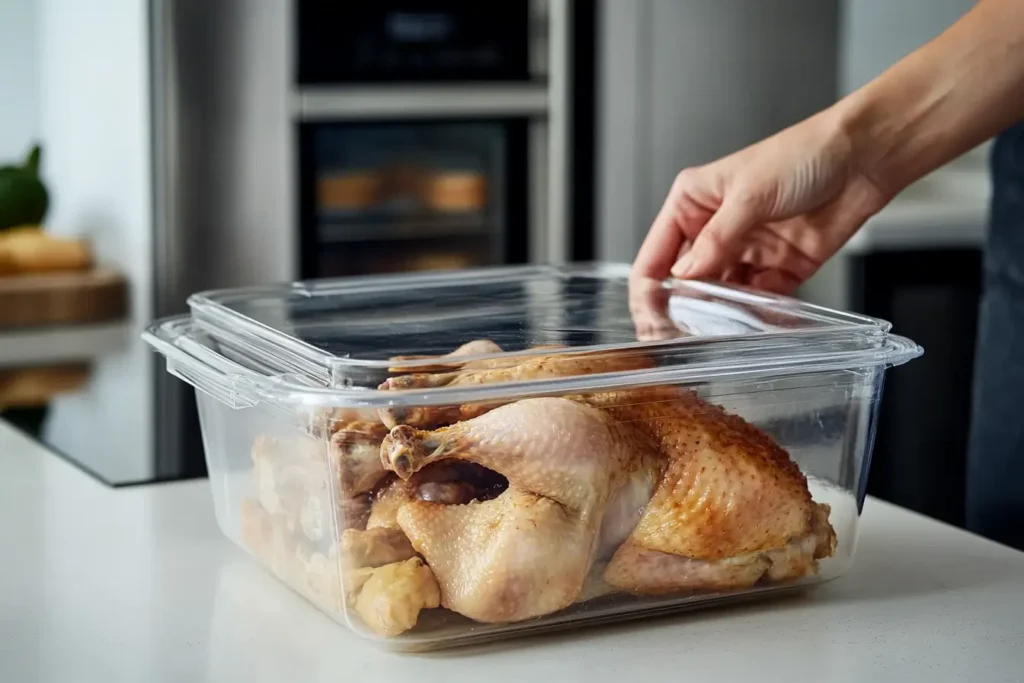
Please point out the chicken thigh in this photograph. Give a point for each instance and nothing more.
(730, 508)
(528, 551)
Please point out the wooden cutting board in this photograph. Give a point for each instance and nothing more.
(72, 298)
(35, 387)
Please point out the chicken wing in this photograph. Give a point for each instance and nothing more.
(528, 551)
(505, 370)
(477, 347)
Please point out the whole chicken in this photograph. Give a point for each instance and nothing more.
(528, 551)
(730, 507)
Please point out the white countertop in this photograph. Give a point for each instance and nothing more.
(137, 584)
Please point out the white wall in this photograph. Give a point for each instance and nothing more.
(19, 77)
(685, 81)
(682, 82)
(95, 122)
(875, 34)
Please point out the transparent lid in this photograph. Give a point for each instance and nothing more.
(354, 333)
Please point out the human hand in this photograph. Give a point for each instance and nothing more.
(767, 216)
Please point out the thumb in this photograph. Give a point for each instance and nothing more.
(718, 242)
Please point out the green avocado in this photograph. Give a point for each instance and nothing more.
(23, 196)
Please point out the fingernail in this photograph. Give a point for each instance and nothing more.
(683, 266)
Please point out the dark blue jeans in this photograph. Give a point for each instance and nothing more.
(995, 462)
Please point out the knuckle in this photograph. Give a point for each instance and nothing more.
(688, 177)
(745, 198)
(714, 246)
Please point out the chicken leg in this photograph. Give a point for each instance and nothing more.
(528, 551)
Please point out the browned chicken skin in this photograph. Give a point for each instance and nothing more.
(528, 368)
(450, 361)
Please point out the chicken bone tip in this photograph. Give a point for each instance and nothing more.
(406, 450)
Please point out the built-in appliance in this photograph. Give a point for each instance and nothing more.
(307, 139)
(438, 134)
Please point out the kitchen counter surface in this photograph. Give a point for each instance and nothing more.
(946, 209)
(137, 584)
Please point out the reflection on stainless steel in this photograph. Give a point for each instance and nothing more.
(223, 168)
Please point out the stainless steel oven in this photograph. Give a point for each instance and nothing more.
(300, 138)
(437, 134)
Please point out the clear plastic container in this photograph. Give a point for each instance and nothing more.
(445, 458)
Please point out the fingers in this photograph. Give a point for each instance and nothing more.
(681, 217)
(661, 246)
(719, 241)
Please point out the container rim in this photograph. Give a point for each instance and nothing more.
(212, 311)
(179, 340)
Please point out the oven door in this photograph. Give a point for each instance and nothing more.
(413, 195)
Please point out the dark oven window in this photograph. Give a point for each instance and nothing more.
(414, 41)
(411, 196)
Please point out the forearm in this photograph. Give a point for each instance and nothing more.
(952, 94)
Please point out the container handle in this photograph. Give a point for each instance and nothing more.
(196, 364)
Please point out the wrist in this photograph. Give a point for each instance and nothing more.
(882, 134)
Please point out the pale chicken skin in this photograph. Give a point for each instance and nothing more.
(527, 552)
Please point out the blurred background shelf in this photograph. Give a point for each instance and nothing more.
(62, 344)
(57, 299)
(55, 318)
